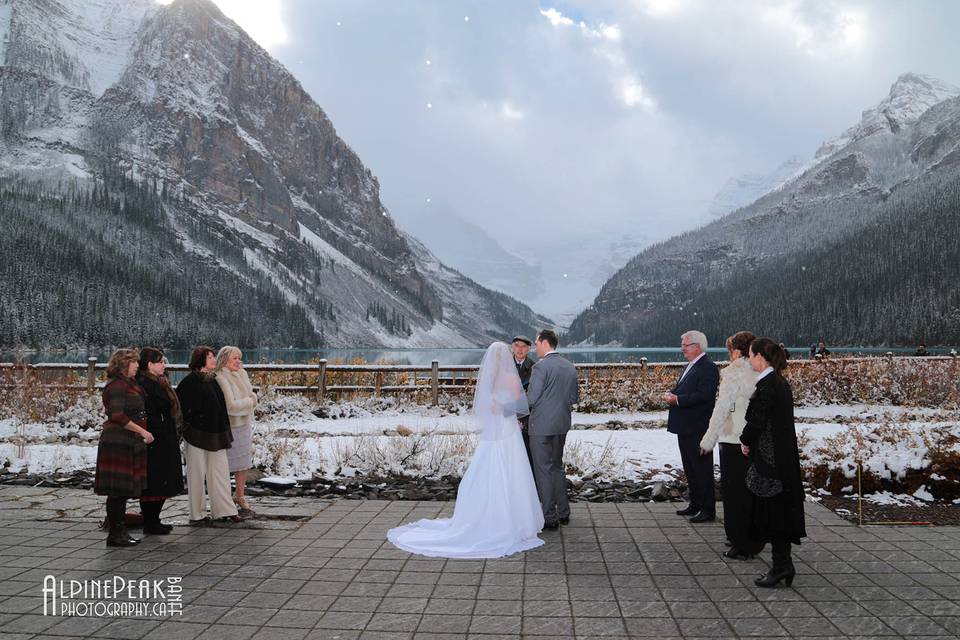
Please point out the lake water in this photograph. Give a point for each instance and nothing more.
(445, 356)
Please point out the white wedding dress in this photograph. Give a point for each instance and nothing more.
(497, 512)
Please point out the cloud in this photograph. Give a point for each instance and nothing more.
(263, 20)
(623, 79)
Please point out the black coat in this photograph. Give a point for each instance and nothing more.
(164, 465)
(206, 424)
(779, 518)
(524, 370)
(696, 394)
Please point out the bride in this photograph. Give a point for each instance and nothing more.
(497, 511)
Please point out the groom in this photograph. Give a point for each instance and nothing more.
(552, 393)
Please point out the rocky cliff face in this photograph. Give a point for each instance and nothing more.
(911, 135)
(180, 97)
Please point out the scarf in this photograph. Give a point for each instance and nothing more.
(168, 389)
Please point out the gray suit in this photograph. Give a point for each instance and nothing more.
(552, 393)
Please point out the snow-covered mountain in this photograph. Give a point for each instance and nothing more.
(741, 191)
(476, 254)
(252, 176)
(907, 143)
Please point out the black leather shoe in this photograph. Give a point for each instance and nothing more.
(735, 554)
(774, 576)
(703, 516)
(157, 528)
(564, 520)
(552, 526)
(689, 511)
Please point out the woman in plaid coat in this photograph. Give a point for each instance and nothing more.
(122, 452)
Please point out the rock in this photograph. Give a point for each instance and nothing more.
(276, 482)
(659, 492)
(404, 431)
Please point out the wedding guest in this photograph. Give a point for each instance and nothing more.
(207, 437)
(737, 382)
(921, 351)
(822, 351)
(122, 452)
(773, 475)
(691, 404)
(164, 465)
(524, 363)
(241, 400)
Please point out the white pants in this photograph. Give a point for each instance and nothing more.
(212, 466)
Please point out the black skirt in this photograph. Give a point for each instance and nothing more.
(777, 519)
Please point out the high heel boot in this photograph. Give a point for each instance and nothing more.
(774, 576)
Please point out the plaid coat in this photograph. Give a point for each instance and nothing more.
(122, 454)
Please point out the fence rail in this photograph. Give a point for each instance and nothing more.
(425, 378)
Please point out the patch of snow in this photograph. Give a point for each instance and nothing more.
(262, 237)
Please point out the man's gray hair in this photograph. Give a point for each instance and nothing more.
(695, 337)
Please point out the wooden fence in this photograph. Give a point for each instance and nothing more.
(430, 379)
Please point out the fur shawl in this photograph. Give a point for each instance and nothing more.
(737, 382)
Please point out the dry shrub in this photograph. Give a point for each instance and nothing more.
(899, 381)
(426, 454)
(29, 394)
(587, 460)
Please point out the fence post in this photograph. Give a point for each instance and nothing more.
(321, 380)
(435, 381)
(643, 369)
(379, 384)
(91, 374)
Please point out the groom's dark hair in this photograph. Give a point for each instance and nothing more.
(549, 336)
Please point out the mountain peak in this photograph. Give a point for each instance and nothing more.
(910, 96)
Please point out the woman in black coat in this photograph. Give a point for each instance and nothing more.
(164, 465)
(769, 439)
(206, 438)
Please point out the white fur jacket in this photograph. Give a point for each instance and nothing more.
(737, 382)
(239, 395)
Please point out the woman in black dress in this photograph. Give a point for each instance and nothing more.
(122, 451)
(769, 439)
(164, 465)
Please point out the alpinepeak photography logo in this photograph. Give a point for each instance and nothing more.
(114, 597)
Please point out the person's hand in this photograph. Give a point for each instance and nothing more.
(704, 452)
(254, 398)
(147, 437)
(669, 398)
(745, 449)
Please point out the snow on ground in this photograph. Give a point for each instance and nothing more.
(376, 438)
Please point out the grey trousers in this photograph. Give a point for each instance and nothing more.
(548, 472)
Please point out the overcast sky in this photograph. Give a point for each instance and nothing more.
(618, 114)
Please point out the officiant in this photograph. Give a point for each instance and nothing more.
(524, 363)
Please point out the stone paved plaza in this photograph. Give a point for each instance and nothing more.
(617, 571)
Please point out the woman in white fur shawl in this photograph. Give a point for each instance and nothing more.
(737, 382)
(241, 401)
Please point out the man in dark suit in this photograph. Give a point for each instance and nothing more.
(521, 348)
(691, 404)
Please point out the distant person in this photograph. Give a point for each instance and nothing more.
(552, 393)
(691, 405)
(122, 451)
(822, 351)
(524, 364)
(164, 464)
(921, 351)
(773, 476)
(241, 400)
(813, 350)
(737, 382)
(207, 436)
